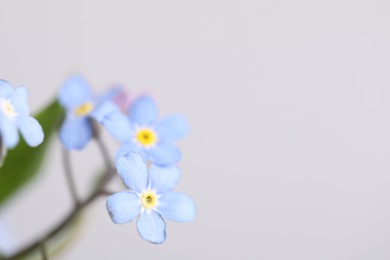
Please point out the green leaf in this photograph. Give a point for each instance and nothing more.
(23, 162)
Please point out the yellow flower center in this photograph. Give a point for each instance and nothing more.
(8, 109)
(83, 109)
(148, 199)
(146, 137)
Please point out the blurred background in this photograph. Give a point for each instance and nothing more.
(288, 101)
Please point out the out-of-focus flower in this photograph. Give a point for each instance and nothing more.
(7, 237)
(14, 115)
(122, 99)
(151, 138)
(150, 199)
(81, 106)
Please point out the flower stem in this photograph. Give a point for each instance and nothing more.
(98, 191)
(69, 176)
(104, 151)
(43, 251)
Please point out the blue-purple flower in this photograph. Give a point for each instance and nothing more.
(81, 106)
(152, 138)
(14, 115)
(149, 198)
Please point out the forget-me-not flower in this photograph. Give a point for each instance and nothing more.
(14, 115)
(81, 106)
(152, 138)
(150, 199)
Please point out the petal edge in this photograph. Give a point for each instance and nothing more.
(177, 207)
(123, 207)
(152, 227)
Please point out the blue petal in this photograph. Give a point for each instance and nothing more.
(151, 227)
(172, 128)
(104, 109)
(31, 130)
(163, 179)
(75, 132)
(74, 92)
(143, 111)
(132, 170)
(123, 207)
(117, 124)
(177, 207)
(164, 154)
(108, 95)
(6, 89)
(9, 131)
(19, 101)
(128, 147)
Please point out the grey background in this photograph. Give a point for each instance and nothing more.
(288, 157)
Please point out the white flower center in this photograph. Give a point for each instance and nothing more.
(8, 109)
(149, 200)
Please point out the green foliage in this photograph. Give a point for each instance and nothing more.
(23, 162)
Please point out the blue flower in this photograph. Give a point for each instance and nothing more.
(14, 115)
(81, 107)
(150, 138)
(150, 199)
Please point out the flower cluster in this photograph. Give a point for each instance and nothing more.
(146, 160)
